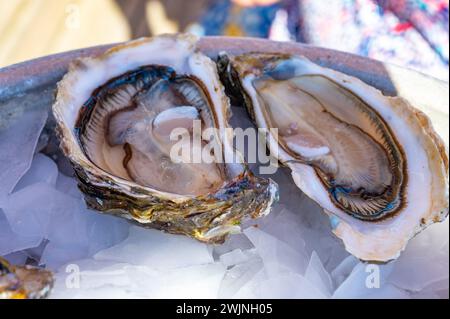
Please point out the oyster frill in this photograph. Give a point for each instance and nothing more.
(24, 282)
(374, 163)
(116, 114)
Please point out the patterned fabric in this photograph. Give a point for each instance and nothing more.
(225, 18)
(412, 33)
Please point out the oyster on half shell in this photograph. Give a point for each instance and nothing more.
(372, 162)
(115, 115)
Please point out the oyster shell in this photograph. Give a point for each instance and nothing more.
(115, 117)
(372, 162)
(24, 282)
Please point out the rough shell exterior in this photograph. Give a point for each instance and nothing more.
(24, 282)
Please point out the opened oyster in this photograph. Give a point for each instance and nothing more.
(23, 282)
(116, 115)
(374, 163)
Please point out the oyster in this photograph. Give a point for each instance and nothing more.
(372, 162)
(116, 114)
(24, 282)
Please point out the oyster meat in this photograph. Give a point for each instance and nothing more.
(116, 115)
(24, 282)
(374, 163)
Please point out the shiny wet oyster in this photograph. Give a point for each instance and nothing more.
(24, 282)
(116, 116)
(374, 163)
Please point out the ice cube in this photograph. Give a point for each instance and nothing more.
(79, 232)
(344, 269)
(43, 169)
(414, 273)
(198, 281)
(29, 210)
(285, 226)
(88, 278)
(236, 241)
(19, 132)
(17, 258)
(96, 279)
(387, 291)
(68, 186)
(278, 257)
(318, 276)
(437, 289)
(158, 250)
(424, 262)
(364, 280)
(238, 276)
(236, 257)
(10, 241)
(288, 286)
(72, 231)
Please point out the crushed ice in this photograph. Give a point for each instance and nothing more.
(289, 254)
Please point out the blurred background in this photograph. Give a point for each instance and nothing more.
(411, 33)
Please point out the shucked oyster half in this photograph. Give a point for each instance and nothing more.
(116, 114)
(374, 163)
